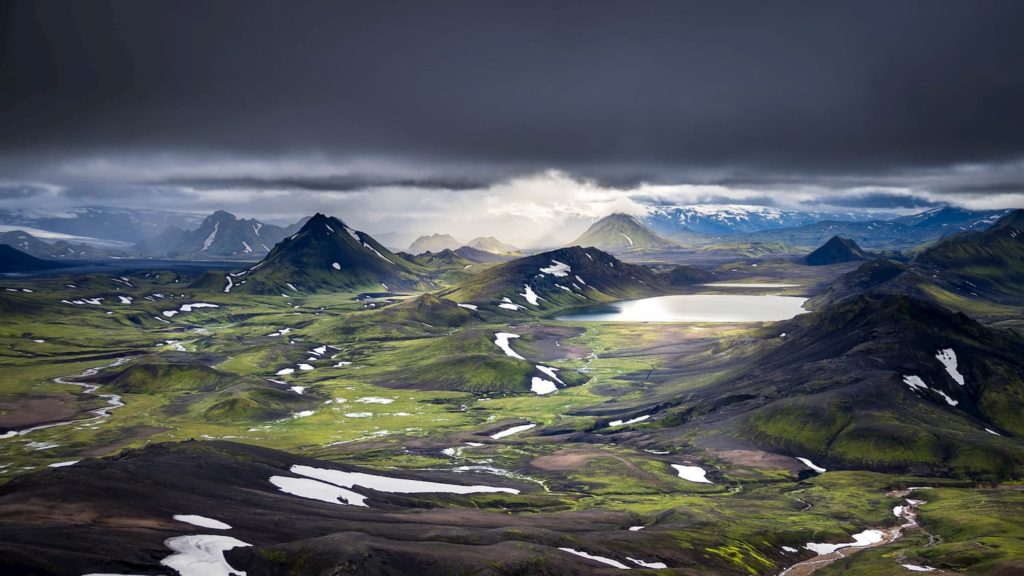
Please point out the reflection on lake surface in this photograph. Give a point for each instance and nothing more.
(693, 308)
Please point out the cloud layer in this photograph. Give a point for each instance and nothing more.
(530, 111)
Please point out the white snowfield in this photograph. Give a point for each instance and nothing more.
(316, 490)
(336, 266)
(692, 473)
(948, 359)
(630, 421)
(529, 295)
(811, 465)
(557, 268)
(541, 386)
(390, 484)
(654, 565)
(202, 521)
(202, 555)
(513, 430)
(915, 383)
(628, 239)
(865, 538)
(375, 400)
(468, 306)
(550, 372)
(600, 559)
(501, 341)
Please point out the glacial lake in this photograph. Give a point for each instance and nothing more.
(693, 308)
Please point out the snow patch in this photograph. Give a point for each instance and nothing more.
(948, 359)
(541, 386)
(501, 341)
(202, 555)
(557, 268)
(811, 465)
(316, 490)
(692, 473)
(513, 430)
(209, 239)
(529, 295)
(865, 538)
(201, 521)
(600, 559)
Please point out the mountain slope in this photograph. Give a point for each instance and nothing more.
(835, 251)
(121, 224)
(558, 279)
(327, 255)
(223, 235)
(13, 260)
(622, 233)
(949, 219)
(878, 382)
(492, 245)
(59, 249)
(434, 243)
(991, 261)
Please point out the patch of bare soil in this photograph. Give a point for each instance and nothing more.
(37, 409)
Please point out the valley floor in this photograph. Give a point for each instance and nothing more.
(157, 400)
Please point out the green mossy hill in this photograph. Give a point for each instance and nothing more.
(161, 375)
(991, 262)
(561, 278)
(623, 233)
(328, 255)
(836, 251)
(421, 316)
(255, 404)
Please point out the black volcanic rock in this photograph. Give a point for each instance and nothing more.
(836, 251)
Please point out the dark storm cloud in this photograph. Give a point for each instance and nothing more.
(335, 183)
(878, 201)
(615, 90)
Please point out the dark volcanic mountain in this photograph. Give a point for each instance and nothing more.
(327, 255)
(434, 243)
(13, 260)
(879, 382)
(835, 251)
(622, 233)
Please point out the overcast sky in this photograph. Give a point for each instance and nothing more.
(509, 117)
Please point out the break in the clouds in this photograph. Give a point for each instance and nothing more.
(401, 113)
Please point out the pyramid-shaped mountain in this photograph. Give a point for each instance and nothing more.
(622, 233)
(836, 251)
(326, 254)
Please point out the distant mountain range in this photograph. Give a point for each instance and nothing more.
(220, 235)
(121, 224)
(733, 219)
(56, 250)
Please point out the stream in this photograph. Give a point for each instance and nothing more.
(906, 512)
(113, 400)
